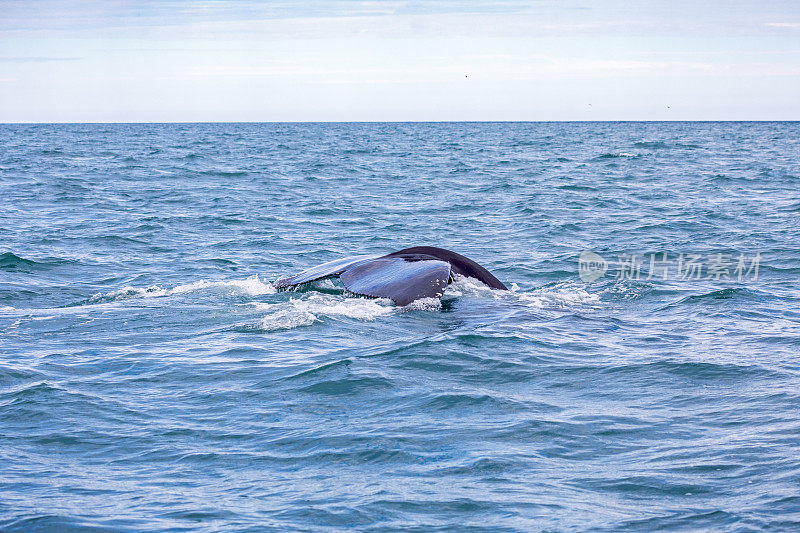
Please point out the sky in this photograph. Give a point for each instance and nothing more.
(342, 60)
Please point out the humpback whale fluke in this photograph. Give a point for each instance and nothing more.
(403, 276)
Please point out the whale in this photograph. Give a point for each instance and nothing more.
(403, 276)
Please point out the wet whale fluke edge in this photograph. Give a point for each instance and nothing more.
(403, 276)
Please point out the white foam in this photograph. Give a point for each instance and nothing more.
(306, 310)
(287, 318)
(566, 295)
(252, 286)
(326, 284)
(624, 290)
(463, 286)
(129, 292)
(423, 304)
(561, 295)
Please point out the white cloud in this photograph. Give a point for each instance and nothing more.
(243, 59)
(782, 24)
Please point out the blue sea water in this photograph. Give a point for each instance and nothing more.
(152, 379)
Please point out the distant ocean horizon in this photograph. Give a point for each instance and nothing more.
(179, 122)
(640, 374)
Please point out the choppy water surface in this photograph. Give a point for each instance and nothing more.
(151, 378)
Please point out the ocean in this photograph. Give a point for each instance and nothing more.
(642, 373)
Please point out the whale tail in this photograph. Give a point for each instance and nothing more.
(403, 276)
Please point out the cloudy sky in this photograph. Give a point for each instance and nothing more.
(241, 60)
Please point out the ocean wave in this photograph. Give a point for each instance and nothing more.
(560, 295)
(614, 155)
(252, 286)
(662, 144)
(11, 262)
(297, 312)
(712, 297)
(789, 207)
(225, 173)
(423, 304)
(591, 390)
(575, 187)
(471, 401)
(348, 385)
(698, 369)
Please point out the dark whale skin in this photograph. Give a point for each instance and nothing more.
(458, 263)
(403, 276)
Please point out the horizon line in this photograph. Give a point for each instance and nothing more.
(20, 123)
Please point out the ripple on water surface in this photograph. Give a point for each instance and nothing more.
(153, 379)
